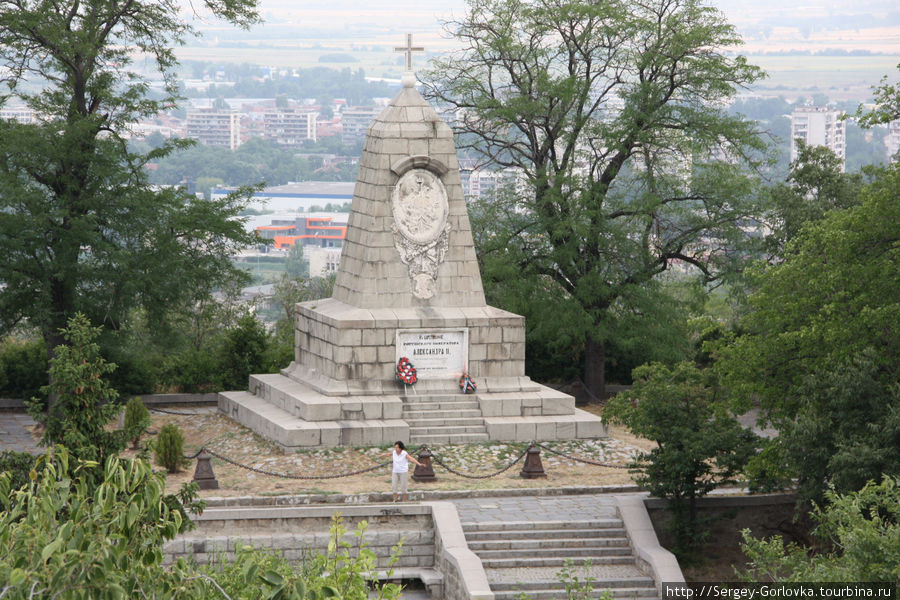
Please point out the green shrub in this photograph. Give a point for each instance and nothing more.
(860, 532)
(169, 447)
(18, 465)
(84, 402)
(192, 371)
(137, 419)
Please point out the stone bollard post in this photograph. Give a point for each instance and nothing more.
(533, 467)
(424, 473)
(203, 474)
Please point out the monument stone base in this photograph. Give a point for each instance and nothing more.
(336, 391)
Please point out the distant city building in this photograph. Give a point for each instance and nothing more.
(355, 122)
(215, 127)
(20, 113)
(322, 261)
(324, 230)
(290, 126)
(893, 140)
(296, 197)
(819, 126)
(477, 182)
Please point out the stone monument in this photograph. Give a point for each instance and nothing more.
(408, 286)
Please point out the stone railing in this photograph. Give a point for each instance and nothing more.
(464, 576)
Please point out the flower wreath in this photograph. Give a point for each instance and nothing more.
(406, 372)
(467, 384)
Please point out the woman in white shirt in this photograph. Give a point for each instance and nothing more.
(400, 473)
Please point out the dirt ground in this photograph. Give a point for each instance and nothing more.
(204, 426)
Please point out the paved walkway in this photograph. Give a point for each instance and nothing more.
(14, 436)
(536, 508)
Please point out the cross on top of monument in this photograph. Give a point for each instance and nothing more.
(409, 49)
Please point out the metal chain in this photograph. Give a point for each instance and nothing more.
(193, 456)
(583, 460)
(289, 476)
(435, 457)
(500, 472)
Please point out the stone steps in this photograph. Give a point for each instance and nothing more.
(445, 422)
(542, 535)
(555, 561)
(629, 583)
(427, 406)
(415, 415)
(445, 430)
(449, 438)
(444, 419)
(556, 552)
(429, 398)
(552, 593)
(525, 557)
(532, 544)
(543, 526)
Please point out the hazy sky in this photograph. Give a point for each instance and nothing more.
(773, 24)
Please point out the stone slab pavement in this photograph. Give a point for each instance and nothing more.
(14, 436)
(536, 508)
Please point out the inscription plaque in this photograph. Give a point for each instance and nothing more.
(436, 353)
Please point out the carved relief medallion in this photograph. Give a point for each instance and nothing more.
(421, 231)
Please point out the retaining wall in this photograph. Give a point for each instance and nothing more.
(763, 514)
(430, 532)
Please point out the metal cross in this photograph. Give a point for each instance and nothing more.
(409, 49)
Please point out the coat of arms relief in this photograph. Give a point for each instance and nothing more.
(421, 230)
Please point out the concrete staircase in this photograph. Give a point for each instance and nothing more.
(443, 419)
(525, 556)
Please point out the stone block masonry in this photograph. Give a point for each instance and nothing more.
(434, 548)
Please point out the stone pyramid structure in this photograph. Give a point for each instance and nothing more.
(408, 286)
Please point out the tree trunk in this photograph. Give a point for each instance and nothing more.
(595, 368)
(52, 341)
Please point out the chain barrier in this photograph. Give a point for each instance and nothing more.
(437, 459)
(195, 455)
(289, 476)
(576, 458)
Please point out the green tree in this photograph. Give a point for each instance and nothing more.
(613, 116)
(862, 530)
(887, 98)
(820, 348)
(243, 352)
(814, 186)
(85, 402)
(81, 228)
(295, 264)
(700, 444)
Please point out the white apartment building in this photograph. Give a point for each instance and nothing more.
(355, 122)
(892, 141)
(215, 127)
(322, 261)
(819, 126)
(290, 126)
(20, 113)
